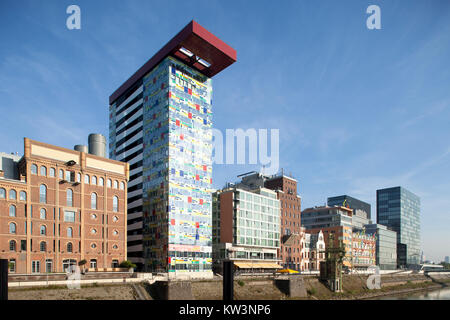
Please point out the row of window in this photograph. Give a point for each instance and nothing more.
(43, 246)
(43, 230)
(13, 195)
(70, 176)
(68, 265)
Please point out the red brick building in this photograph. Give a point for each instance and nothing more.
(62, 206)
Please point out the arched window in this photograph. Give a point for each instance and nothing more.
(12, 211)
(116, 184)
(44, 171)
(12, 194)
(69, 198)
(115, 204)
(108, 183)
(94, 201)
(52, 172)
(43, 194)
(69, 232)
(22, 196)
(115, 232)
(33, 169)
(122, 185)
(12, 227)
(43, 214)
(86, 179)
(94, 180)
(43, 246)
(69, 247)
(61, 173)
(2, 193)
(43, 230)
(115, 219)
(12, 245)
(101, 182)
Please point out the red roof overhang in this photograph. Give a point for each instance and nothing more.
(198, 41)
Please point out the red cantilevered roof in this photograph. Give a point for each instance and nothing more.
(196, 47)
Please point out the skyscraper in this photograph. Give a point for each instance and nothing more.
(160, 122)
(399, 209)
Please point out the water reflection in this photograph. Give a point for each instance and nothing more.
(441, 294)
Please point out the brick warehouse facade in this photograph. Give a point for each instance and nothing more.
(62, 207)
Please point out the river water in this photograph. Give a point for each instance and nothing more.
(440, 294)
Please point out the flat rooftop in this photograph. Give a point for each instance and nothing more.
(193, 45)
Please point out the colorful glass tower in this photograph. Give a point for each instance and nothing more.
(174, 91)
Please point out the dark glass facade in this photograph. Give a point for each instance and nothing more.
(352, 203)
(399, 209)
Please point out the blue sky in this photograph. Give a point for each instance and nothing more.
(357, 109)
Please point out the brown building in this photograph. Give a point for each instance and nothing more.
(59, 206)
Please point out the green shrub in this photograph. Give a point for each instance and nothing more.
(241, 283)
(127, 264)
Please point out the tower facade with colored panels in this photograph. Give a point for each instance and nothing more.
(177, 169)
(160, 122)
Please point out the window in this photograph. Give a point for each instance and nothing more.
(108, 183)
(115, 219)
(44, 171)
(93, 245)
(12, 265)
(122, 185)
(69, 232)
(33, 169)
(93, 231)
(94, 201)
(86, 179)
(2, 193)
(61, 173)
(12, 245)
(93, 263)
(43, 194)
(52, 172)
(43, 246)
(69, 216)
(35, 266)
(101, 182)
(69, 247)
(116, 184)
(78, 177)
(94, 180)
(23, 245)
(115, 247)
(43, 230)
(115, 232)
(115, 203)
(93, 216)
(22, 196)
(69, 176)
(69, 198)
(12, 227)
(12, 211)
(12, 195)
(115, 263)
(43, 214)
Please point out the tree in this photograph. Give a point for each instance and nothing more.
(127, 264)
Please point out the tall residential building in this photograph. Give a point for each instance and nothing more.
(360, 208)
(59, 207)
(291, 232)
(386, 247)
(246, 228)
(399, 209)
(160, 123)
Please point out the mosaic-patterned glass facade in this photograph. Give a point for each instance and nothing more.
(177, 168)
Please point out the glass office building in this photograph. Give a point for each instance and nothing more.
(399, 209)
(386, 246)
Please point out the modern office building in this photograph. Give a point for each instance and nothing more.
(160, 123)
(363, 250)
(386, 246)
(59, 207)
(447, 259)
(359, 207)
(291, 231)
(399, 209)
(246, 228)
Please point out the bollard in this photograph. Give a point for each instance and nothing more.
(3, 279)
(228, 280)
